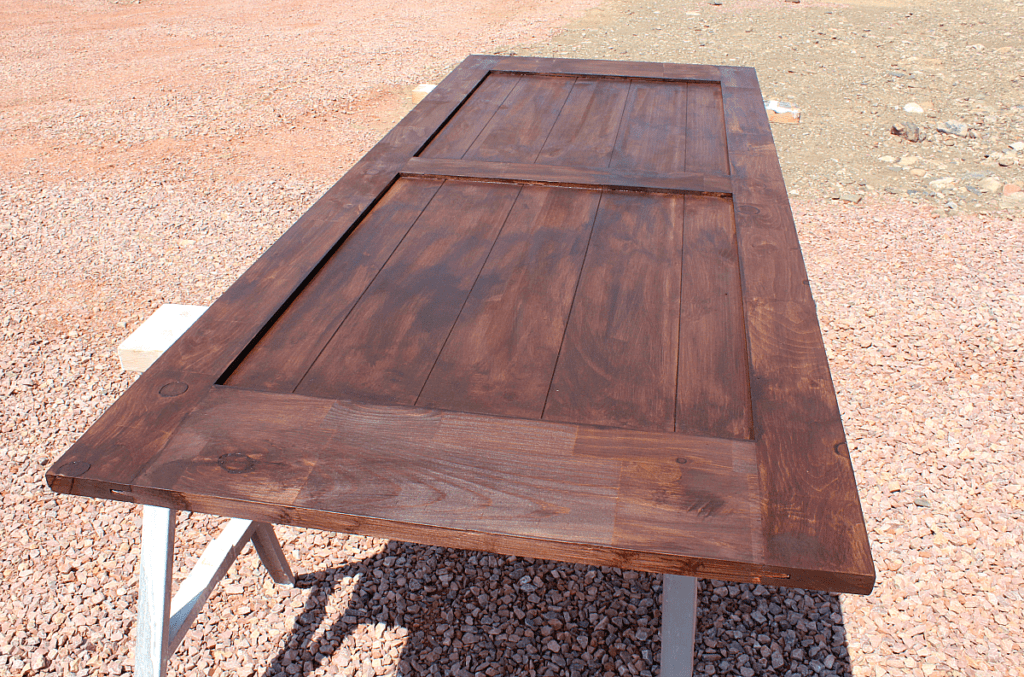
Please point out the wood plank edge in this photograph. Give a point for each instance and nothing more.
(855, 582)
(609, 68)
(709, 185)
(463, 539)
(610, 75)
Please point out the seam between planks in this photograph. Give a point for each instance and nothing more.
(561, 109)
(469, 294)
(306, 281)
(452, 114)
(568, 317)
(363, 293)
(490, 119)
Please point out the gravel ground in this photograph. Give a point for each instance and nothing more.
(154, 150)
(852, 68)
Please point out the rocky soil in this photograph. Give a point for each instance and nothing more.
(153, 150)
(854, 69)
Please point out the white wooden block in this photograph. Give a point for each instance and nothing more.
(780, 111)
(156, 335)
(419, 92)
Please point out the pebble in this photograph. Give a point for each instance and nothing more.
(990, 184)
(908, 130)
(953, 127)
(913, 108)
(940, 184)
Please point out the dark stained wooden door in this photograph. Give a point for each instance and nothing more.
(559, 311)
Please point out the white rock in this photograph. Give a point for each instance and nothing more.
(990, 184)
(939, 184)
(909, 161)
(887, 158)
(1017, 146)
(913, 108)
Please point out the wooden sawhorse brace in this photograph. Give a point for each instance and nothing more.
(163, 622)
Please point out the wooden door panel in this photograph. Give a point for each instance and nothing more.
(559, 311)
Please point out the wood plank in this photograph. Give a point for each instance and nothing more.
(706, 145)
(518, 129)
(604, 68)
(501, 353)
(675, 501)
(575, 177)
(738, 76)
(649, 136)
(384, 350)
(584, 133)
(525, 488)
(252, 452)
(812, 517)
(744, 111)
(455, 138)
(105, 459)
(283, 355)
(713, 395)
(767, 231)
(617, 365)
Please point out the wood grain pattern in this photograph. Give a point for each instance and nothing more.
(517, 130)
(811, 514)
(427, 474)
(803, 461)
(387, 345)
(618, 358)
(574, 177)
(455, 138)
(649, 136)
(587, 125)
(282, 357)
(714, 391)
(706, 145)
(501, 353)
(605, 246)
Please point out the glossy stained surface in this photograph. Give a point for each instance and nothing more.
(559, 311)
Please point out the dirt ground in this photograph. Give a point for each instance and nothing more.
(851, 68)
(152, 150)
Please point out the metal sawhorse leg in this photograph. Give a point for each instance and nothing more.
(678, 625)
(163, 622)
